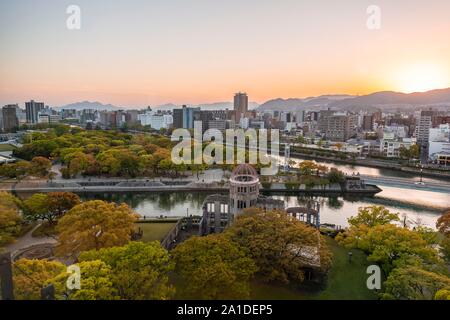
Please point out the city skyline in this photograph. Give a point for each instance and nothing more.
(153, 53)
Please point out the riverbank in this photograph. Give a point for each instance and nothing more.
(375, 163)
(119, 185)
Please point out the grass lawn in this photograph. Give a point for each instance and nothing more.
(155, 230)
(6, 147)
(346, 281)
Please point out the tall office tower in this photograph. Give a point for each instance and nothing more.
(367, 123)
(240, 105)
(185, 117)
(10, 121)
(32, 109)
(339, 126)
(423, 128)
(190, 115)
(178, 118)
(323, 119)
(300, 116)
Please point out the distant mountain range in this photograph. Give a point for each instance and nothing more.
(382, 100)
(89, 105)
(385, 100)
(169, 106)
(206, 106)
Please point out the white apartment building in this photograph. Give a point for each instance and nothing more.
(390, 146)
(156, 120)
(439, 145)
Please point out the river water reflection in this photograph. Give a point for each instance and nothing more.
(417, 206)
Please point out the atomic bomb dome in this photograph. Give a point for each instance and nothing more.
(244, 188)
(244, 173)
(219, 211)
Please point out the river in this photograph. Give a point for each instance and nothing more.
(422, 208)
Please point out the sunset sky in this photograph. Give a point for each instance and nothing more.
(136, 53)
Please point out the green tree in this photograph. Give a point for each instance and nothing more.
(95, 283)
(385, 244)
(94, 225)
(372, 216)
(30, 276)
(445, 248)
(139, 271)
(36, 208)
(413, 283)
(212, 267)
(61, 202)
(443, 294)
(335, 176)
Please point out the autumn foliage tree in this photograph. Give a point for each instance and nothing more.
(10, 218)
(276, 242)
(40, 167)
(30, 276)
(443, 224)
(95, 225)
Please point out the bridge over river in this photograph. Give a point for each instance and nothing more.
(408, 183)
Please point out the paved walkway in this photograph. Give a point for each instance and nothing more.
(27, 241)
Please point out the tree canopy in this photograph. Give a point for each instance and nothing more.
(212, 267)
(411, 263)
(372, 216)
(277, 243)
(139, 271)
(10, 218)
(30, 276)
(49, 206)
(94, 225)
(95, 283)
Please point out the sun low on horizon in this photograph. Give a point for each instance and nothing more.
(421, 77)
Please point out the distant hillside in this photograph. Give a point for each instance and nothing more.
(169, 106)
(301, 104)
(206, 106)
(384, 99)
(434, 97)
(89, 105)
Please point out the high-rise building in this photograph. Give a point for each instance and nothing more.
(9, 115)
(240, 105)
(178, 118)
(423, 128)
(367, 123)
(337, 126)
(32, 109)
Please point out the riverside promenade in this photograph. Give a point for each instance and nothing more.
(144, 185)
